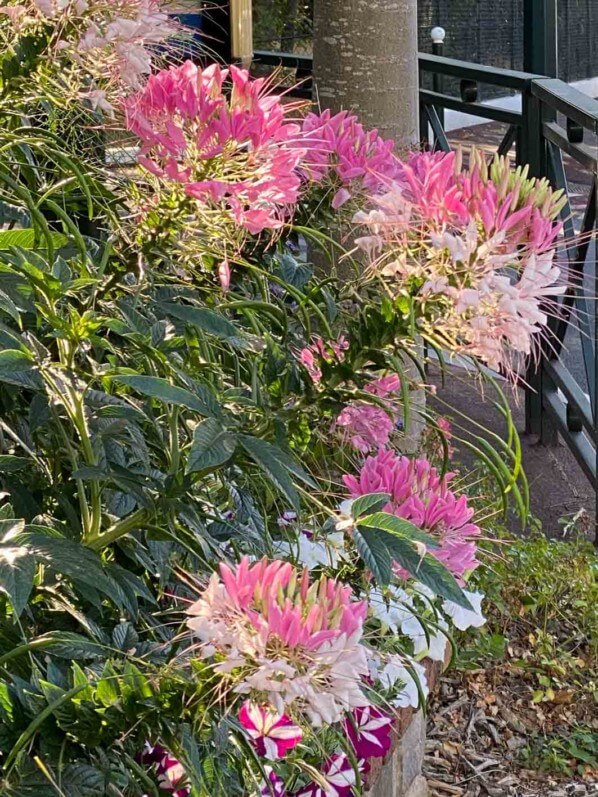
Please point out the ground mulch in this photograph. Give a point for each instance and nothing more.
(479, 722)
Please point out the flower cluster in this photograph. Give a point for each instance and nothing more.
(311, 357)
(339, 148)
(284, 640)
(223, 138)
(475, 249)
(368, 426)
(420, 495)
(108, 42)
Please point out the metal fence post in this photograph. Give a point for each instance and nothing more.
(438, 35)
(531, 150)
(540, 37)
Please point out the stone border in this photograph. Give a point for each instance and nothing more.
(399, 773)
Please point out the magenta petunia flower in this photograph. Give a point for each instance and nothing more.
(370, 732)
(273, 734)
(340, 777)
(169, 770)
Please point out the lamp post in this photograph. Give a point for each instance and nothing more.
(227, 30)
(241, 31)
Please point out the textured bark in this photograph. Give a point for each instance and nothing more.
(365, 60)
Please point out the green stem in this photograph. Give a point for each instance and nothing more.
(132, 522)
(175, 451)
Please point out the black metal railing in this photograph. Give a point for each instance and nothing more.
(551, 125)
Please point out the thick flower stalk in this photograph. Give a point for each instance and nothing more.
(223, 138)
(283, 640)
(473, 248)
(420, 495)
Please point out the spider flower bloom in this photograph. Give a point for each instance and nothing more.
(340, 147)
(420, 495)
(220, 135)
(285, 640)
(273, 734)
(368, 427)
(473, 248)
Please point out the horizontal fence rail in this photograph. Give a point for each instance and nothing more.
(555, 128)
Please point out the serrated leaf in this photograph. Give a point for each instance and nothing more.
(375, 555)
(212, 446)
(371, 502)
(398, 526)
(17, 572)
(274, 464)
(158, 388)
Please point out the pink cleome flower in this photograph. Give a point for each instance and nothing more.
(274, 734)
(420, 495)
(232, 149)
(368, 426)
(284, 640)
(312, 356)
(338, 146)
(370, 732)
(476, 247)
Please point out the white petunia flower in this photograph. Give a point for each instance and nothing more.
(391, 606)
(465, 618)
(435, 649)
(394, 670)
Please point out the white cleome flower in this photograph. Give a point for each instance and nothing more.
(466, 618)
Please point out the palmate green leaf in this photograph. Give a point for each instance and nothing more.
(158, 388)
(405, 546)
(212, 446)
(17, 572)
(399, 527)
(274, 463)
(371, 502)
(28, 239)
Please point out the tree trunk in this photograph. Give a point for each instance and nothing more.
(365, 60)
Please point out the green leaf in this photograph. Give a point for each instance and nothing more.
(209, 321)
(399, 527)
(274, 464)
(17, 572)
(375, 555)
(11, 464)
(18, 368)
(371, 502)
(27, 239)
(158, 388)
(9, 307)
(212, 446)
